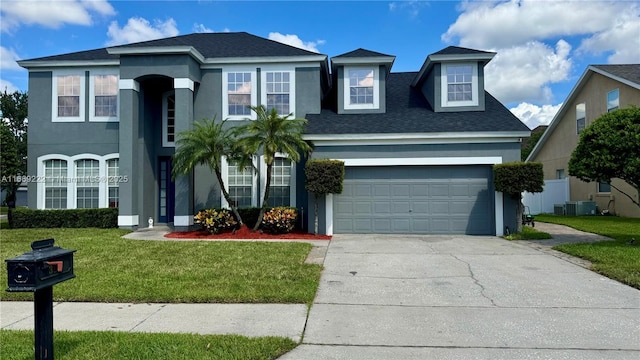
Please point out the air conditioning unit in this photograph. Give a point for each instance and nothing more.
(585, 208)
(558, 209)
(571, 208)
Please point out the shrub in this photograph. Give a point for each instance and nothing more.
(249, 215)
(215, 221)
(70, 218)
(324, 176)
(279, 220)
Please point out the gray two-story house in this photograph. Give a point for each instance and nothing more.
(418, 146)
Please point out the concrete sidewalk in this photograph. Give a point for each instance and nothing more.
(286, 320)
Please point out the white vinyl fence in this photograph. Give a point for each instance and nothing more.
(555, 192)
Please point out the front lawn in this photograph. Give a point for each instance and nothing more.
(109, 268)
(617, 259)
(107, 345)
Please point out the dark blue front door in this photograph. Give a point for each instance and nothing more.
(166, 191)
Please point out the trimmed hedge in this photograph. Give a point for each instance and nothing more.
(249, 215)
(324, 176)
(516, 177)
(69, 218)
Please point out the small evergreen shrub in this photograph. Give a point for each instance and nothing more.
(279, 220)
(249, 215)
(69, 218)
(215, 221)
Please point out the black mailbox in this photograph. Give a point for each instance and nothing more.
(44, 266)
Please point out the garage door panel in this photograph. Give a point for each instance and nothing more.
(415, 199)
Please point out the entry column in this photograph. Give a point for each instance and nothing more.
(129, 95)
(184, 184)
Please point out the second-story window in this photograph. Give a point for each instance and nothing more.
(613, 100)
(278, 89)
(459, 83)
(68, 99)
(361, 88)
(105, 96)
(581, 117)
(239, 93)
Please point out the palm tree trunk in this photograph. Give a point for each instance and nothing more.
(227, 197)
(263, 208)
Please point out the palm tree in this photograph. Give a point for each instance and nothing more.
(206, 144)
(273, 134)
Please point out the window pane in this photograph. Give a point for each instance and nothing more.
(613, 100)
(240, 183)
(580, 117)
(87, 183)
(604, 187)
(68, 88)
(68, 106)
(278, 92)
(55, 185)
(459, 83)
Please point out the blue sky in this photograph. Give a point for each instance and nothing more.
(542, 46)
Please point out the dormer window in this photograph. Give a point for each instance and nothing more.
(362, 88)
(459, 84)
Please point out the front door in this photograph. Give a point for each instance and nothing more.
(166, 191)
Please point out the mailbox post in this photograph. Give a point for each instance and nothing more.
(37, 271)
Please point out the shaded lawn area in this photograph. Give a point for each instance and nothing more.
(617, 259)
(109, 268)
(528, 233)
(108, 345)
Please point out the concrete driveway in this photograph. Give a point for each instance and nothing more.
(463, 297)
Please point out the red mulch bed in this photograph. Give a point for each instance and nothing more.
(244, 233)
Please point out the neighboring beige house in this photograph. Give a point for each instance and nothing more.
(601, 88)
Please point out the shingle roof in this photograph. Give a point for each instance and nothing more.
(360, 52)
(456, 50)
(629, 72)
(407, 111)
(210, 45)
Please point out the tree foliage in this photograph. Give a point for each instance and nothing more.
(610, 148)
(206, 144)
(13, 141)
(323, 177)
(515, 178)
(533, 140)
(272, 134)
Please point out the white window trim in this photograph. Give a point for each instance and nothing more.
(292, 179)
(225, 95)
(165, 120)
(292, 85)
(103, 185)
(92, 98)
(54, 98)
(444, 86)
(346, 88)
(224, 170)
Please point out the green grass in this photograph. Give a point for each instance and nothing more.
(109, 268)
(108, 345)
(4, 210)
(615, 259)
(528, 233)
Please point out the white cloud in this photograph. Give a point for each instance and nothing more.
(533, 115)
(622, 39)
(294, 40)
(504, 24)
(525, 72)
(8, 59)
(6, 85)
(139, 29)
(412, 7)
(201, 28)
(51, 13)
